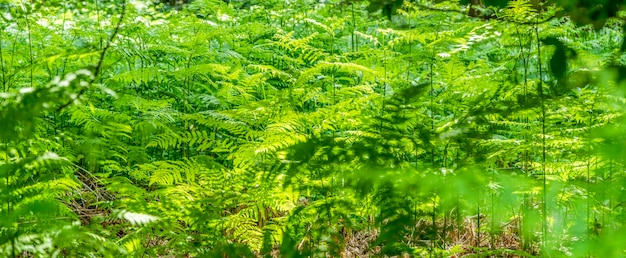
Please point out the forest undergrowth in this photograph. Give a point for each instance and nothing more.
(308, 128)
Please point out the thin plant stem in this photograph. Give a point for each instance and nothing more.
(544, 209)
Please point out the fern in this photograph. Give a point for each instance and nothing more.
(292, 128)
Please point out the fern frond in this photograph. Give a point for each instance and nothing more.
(323, 67)
(168, 173)
(168, 140)
(278, 141)
(140, 75)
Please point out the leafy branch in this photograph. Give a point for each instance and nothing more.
(98, 66)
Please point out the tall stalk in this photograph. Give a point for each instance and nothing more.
(544, 210)
(432, 106)
(355, 45)
(10, 207)
(477, 243)
(30, 49)
(590, 224)
(382, 108)
(526, 155)
(2, 72)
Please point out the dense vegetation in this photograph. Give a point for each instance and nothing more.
(308, 128)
